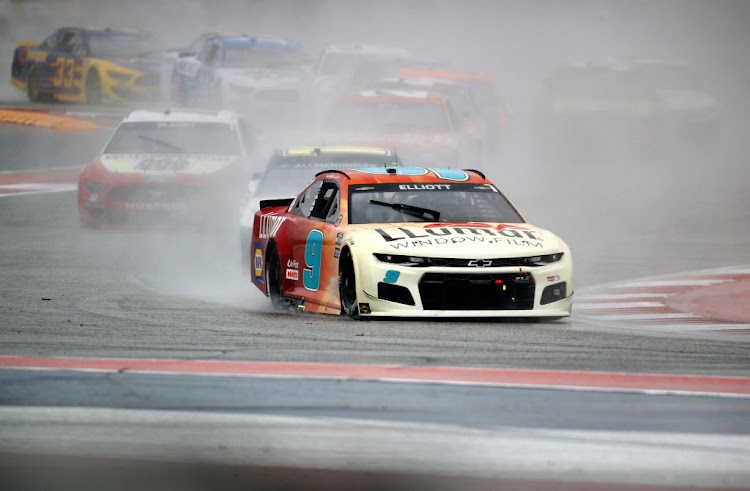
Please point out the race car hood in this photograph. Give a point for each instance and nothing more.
(690, 102)
(166, 163)
(262, 78)
(459, 240)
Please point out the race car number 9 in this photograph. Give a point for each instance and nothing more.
(313, 257)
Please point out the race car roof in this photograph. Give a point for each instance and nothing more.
(378, 175)
(107, 30)
(261, 42)
(396, 96)
(366, 49)
(442, 73)
(335, 150)
(180, 115)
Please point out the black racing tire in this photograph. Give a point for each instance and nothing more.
(32, 85)
(348, 285)
(274, 279)
(93, 87)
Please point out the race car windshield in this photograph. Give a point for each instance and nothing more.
(175, 138)
(259, 57)
(108, 45)
(666, 77)
(389, 117)
(429, 202)
(287, 174)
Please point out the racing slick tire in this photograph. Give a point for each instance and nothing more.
(348, 286)
(93, 87)
(32, 85)
(273, 278)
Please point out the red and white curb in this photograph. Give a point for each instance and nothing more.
(703, 301)
(21, 183)
(646, 383)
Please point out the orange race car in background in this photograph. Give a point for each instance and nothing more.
(423, 127)
(493, 115)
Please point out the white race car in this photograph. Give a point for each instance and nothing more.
(408, 241)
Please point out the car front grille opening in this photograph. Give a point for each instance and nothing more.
(514, 291)
(395, 293)
(553, 293)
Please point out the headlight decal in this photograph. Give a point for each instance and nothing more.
(418, 261)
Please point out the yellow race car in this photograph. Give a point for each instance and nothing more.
(91, 65)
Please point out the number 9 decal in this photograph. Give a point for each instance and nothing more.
(313, 257)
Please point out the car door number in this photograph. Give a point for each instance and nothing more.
(65, 72)
(313, 257)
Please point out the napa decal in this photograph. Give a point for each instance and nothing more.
(440, 234)
(258, 262)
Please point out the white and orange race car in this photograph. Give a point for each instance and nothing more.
(411, 242)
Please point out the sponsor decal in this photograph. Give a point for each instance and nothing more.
(364, 309)
(456, 234)
(339, 238)
(292, 264)
(338, 220)
(162, 164)
(553, 278)
(258, 262)
(336, 252)
(269, 225)
(292, 274)
(430, 187)
(391, 276)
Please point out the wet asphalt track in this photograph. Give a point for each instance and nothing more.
(179, 294)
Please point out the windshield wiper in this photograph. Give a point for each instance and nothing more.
(415, 211)
(163, 143)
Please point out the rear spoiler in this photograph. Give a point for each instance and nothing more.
(270, 203)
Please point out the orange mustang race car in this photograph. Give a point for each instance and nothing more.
(408, 241)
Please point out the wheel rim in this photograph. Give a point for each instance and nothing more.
(348, 289)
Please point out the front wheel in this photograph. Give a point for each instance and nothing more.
(348, 286)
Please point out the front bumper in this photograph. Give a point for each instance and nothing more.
(541, 291)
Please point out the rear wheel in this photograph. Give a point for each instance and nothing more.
(93, 88)
(348, 286)
(32, 85)
(274, 278)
